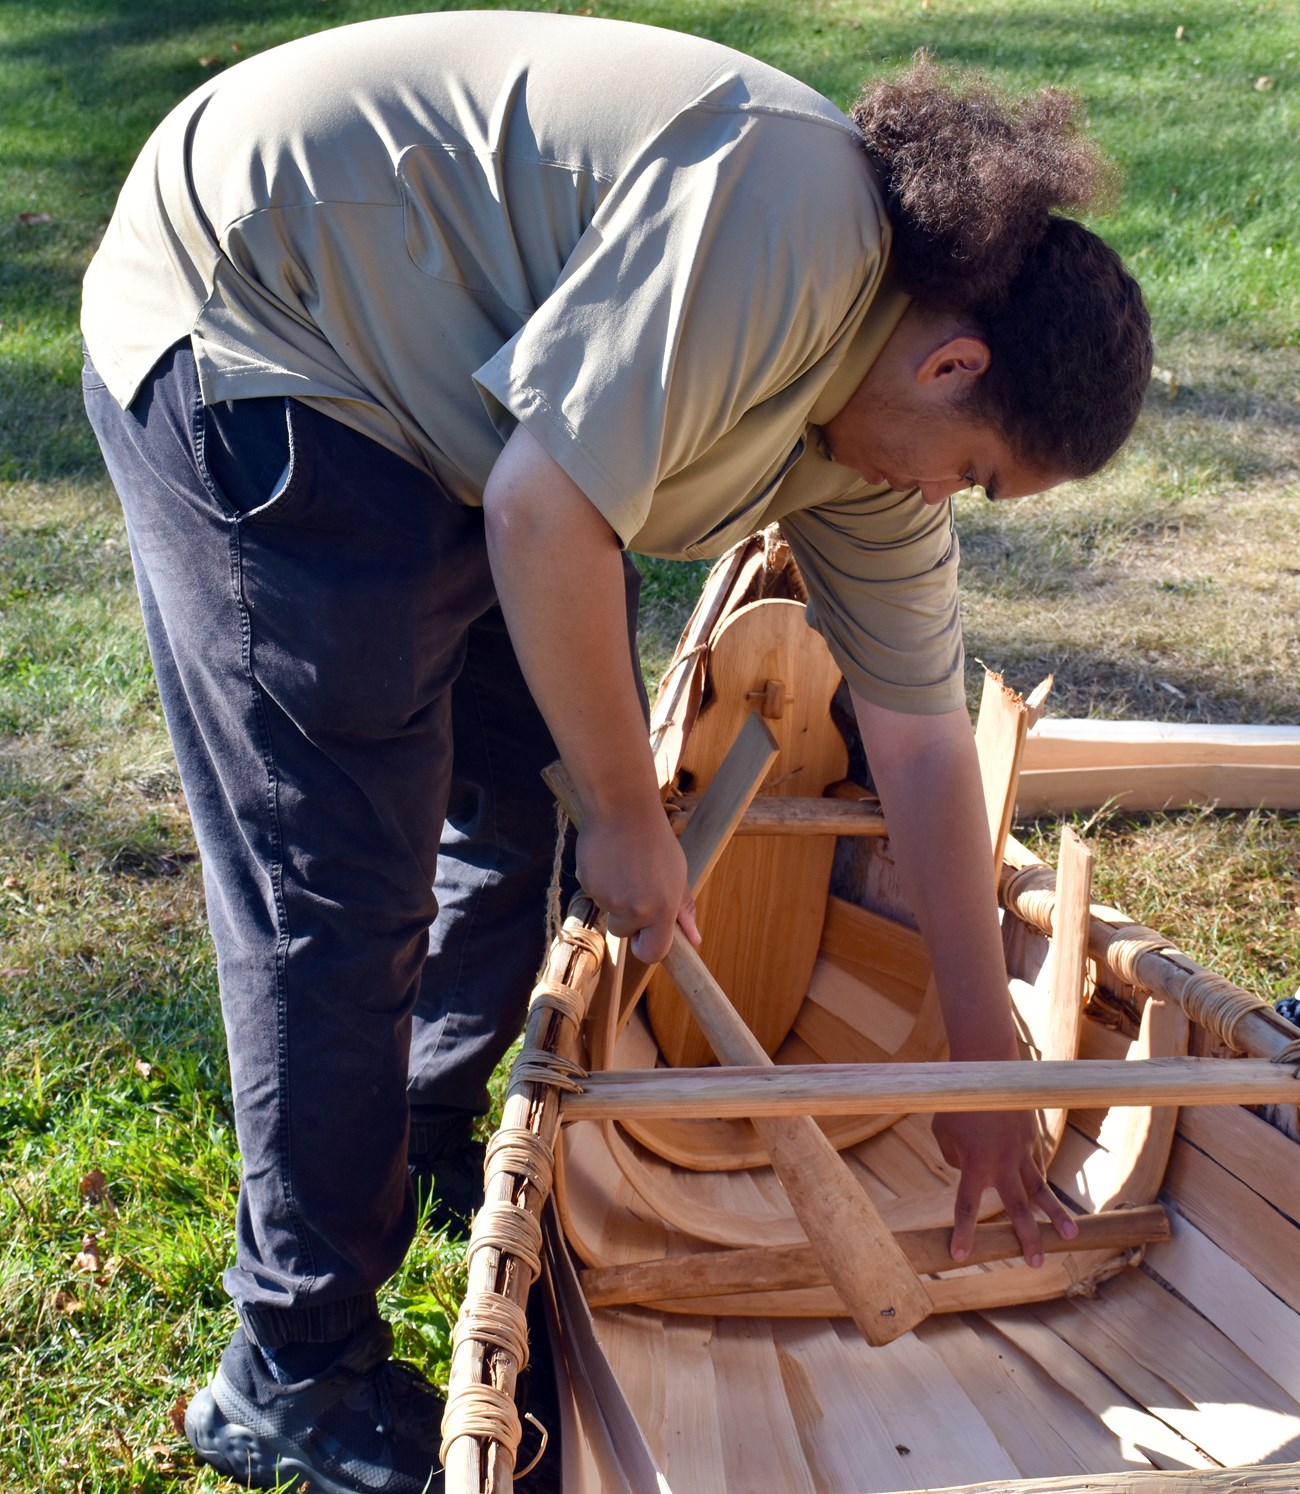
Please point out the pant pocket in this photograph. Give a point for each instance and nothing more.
(246, 453)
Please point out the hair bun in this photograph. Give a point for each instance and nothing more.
(971, 175)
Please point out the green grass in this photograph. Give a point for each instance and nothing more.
(1168, 587)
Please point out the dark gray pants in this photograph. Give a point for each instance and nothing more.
(337, 681)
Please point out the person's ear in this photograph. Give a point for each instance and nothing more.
(954, 363)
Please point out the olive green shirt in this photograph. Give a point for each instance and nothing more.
(666, 260)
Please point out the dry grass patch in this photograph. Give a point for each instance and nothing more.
(1168, 587)
(1224, 887)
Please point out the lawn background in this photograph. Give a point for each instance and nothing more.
(1169, 587)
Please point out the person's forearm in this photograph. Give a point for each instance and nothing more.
(559, 577)
(927, 773)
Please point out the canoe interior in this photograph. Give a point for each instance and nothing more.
(700, 1345)
(1100, 1370)
(1179, 1361)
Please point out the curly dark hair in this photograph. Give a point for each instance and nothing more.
(972, 179)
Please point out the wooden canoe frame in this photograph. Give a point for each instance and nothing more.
(581, 979)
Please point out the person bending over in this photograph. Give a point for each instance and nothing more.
(399, 343)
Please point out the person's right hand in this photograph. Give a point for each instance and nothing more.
(633, 868)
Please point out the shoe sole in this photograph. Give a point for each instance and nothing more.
(249, 1457)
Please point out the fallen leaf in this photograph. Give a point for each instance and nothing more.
(167, 1459)
(28, 219)
(9, 883)
(94, 1186)
(1264, 84)
(143, 1068)
(12, 972)
(64, 1304)
(176, 1414)
(236, 46)
(1181, 34)
(88, 1256)
(208, 61)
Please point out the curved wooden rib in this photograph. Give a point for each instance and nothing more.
(760, 881)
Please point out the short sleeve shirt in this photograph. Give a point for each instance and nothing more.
(668, 261)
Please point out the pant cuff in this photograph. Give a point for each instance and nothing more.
(274, 1327)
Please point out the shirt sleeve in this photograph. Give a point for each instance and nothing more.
(719, 267)
(881, 573)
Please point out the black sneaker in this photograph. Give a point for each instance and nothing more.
(369, 1425)
(446, 1164)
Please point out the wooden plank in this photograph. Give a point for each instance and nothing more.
(829, 1389)
(1069, 966)
(871, 946)
(1143, 1433)
(1260, 1155)
(1223, 1290)
(1264, 1240)
(761, 1442)
(787, 1268)
(879, 1012)
(893, 1399)
(634, 1346)
(1011, 1283)
(851, 1089)
(1058, 742)
(1168, 1357)
(1285, 1480)
(830, 1037)
(693, 1450)
(1045, 1432)
(1229, 786)
(1000, 741)
(966, 1290)
(797, 816)
(1134, 1141)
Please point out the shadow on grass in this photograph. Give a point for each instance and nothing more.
(1094, 681)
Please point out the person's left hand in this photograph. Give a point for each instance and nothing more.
(999, 1149)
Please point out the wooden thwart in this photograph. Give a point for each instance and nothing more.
(797, 817)
(867, 1089)
(792, 1267)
